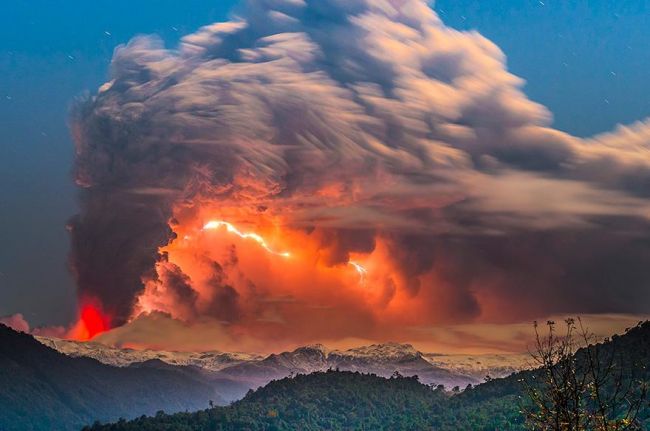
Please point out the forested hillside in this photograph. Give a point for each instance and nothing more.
(42, 389)
(352, 401)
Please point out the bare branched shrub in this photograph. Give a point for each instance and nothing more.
(581, 384)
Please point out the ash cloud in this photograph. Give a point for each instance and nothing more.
(370, 127)
(16, 322)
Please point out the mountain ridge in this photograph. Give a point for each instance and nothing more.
(43, 389)
(256, 370)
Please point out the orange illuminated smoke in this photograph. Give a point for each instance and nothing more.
(91, 322)
(216, 224)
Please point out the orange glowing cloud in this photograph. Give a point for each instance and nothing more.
(215, 224)
(260, 276)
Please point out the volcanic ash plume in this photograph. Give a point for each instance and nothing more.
(328, 168)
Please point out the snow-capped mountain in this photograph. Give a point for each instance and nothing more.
(212, 361)
(244, 371)
(303, 360)
(376, 354)
(481, 366)
(386, 359)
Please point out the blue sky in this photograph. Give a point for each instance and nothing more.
(586, 61)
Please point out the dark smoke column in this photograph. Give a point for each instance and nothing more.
(124, 213)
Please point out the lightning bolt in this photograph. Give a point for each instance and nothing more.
(216, 224)
(363, 272)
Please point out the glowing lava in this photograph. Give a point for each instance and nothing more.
(91, 322)
(216, 224)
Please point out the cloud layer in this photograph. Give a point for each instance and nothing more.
(357, 130)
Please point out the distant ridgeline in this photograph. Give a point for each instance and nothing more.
(336, 400)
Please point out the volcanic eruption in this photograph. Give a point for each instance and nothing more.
(327, 168)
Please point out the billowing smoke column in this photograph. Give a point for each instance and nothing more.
(360, 137)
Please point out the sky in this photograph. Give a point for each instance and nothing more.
(584, 61)
(50, 54)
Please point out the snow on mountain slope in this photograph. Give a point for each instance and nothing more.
(302, 360)
(377, 353)
(256, 370)
(385, 359)
(481, 366)
(380, 359)
(213, 361)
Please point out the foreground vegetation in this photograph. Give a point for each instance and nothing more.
(352, 401)
(329, 400)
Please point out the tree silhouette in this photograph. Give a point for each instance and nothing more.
(581, 384)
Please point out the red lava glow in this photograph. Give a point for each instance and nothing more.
(91, 322)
